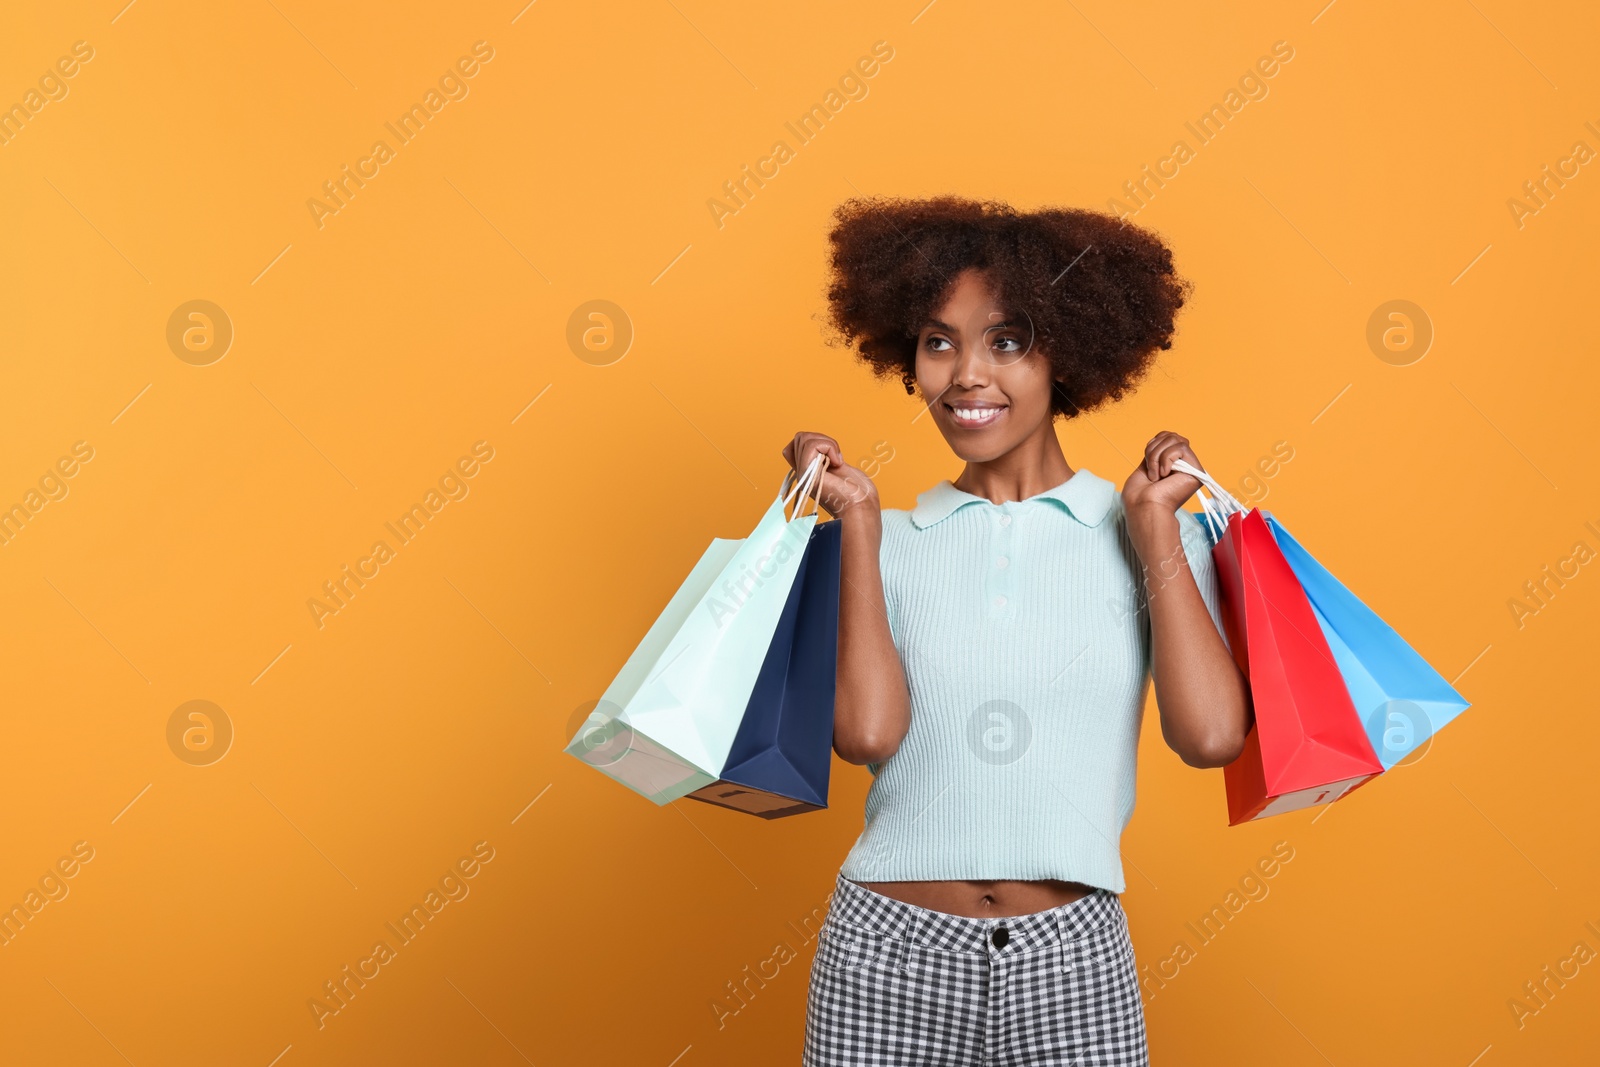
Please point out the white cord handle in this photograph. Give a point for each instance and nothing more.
(803, 488)
(1215, 523)
(811, 487)
(788, 494)
(809, 484)
(1226, 504)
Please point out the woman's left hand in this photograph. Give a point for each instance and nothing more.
(1156, 488)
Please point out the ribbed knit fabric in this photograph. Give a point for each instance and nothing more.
(1024, 632)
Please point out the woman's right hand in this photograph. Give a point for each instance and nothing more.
(842, 487)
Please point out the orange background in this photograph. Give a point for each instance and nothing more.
(372, 753)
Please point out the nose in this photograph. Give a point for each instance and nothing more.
(972, 368)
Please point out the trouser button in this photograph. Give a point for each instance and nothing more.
(1001, 936)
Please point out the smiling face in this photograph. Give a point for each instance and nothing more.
(987, 384)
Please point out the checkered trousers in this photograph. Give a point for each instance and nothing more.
(893, 984)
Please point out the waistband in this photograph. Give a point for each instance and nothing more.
(856, 905)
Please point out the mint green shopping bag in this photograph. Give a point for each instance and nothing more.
(664, 726)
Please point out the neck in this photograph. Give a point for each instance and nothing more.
(1032, 467)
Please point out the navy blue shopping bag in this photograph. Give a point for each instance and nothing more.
(781, 756)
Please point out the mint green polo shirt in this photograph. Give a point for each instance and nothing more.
(1024, 633)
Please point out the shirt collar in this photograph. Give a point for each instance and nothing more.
(1086, 496)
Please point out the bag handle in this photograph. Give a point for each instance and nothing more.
(1226, 504)
(804, 487)
(1216, 523)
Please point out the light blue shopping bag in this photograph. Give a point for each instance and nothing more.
(1402, 700)
(665, 724)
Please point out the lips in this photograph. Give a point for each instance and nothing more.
(976, 416)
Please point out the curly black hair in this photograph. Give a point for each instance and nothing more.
(1101, 293)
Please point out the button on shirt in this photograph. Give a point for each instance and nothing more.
(1024, 634)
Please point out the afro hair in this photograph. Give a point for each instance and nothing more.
(1101, 293)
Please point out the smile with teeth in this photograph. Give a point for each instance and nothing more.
(975, 416)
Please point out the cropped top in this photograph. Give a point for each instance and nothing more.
(1024, 632)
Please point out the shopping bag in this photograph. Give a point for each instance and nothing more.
(1307, 745)
(665, 724)
(781, 756)
(1401, 700)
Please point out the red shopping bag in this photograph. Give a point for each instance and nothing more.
(1308, 745)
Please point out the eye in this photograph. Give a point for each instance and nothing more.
(1007, 344)
(933, 344)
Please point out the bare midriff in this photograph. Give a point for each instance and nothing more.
(983, 900)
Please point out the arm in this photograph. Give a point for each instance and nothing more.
(1203, 697)
(871, 704)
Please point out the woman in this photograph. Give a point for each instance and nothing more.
(995, 641)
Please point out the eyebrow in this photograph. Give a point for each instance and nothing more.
(936, 324)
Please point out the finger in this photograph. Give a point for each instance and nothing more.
(1174, 451)
(1181, 450)
(1157, 442)
(820, 448)
(1173, 455)
(1160, 437)
(1161, 452)
(1152, 455)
